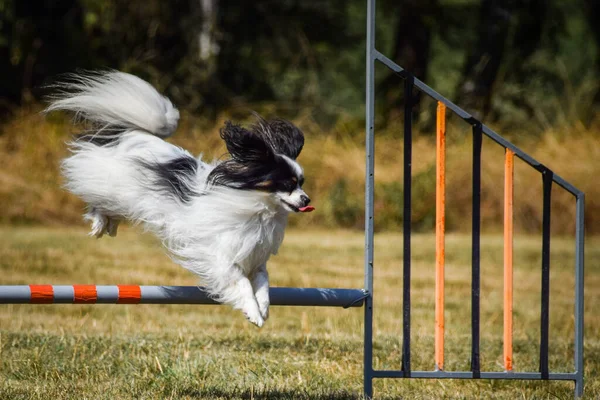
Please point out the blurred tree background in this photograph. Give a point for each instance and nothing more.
(527, 64)
(528, 68)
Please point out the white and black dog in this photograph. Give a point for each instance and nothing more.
(220, 220)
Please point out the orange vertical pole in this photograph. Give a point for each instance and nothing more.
(508, 259)
(440, 223)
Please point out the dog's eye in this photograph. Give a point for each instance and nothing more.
(301, 181)
(287, 186)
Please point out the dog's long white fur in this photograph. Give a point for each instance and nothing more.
(224, 235)
(117, 99)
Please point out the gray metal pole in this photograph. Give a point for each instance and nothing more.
(579, 276)
(369, 198)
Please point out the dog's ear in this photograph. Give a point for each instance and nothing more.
(283, 136)
(244, 145)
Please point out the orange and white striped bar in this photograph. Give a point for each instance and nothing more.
(134, 294)
(508, 258)
(440, 228)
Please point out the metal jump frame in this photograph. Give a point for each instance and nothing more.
(548, 178)
(132, 294)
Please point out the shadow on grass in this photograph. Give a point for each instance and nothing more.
(271, 394)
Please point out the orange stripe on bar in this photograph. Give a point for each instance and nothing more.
(440, 224)
(84, 294)
(129, 294)
(41, 294)
(508, 258)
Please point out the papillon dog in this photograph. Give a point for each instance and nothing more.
(221, 220)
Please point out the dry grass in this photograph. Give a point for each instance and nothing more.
(145, 351)
(31, 148)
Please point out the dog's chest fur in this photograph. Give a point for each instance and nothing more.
(266, 230)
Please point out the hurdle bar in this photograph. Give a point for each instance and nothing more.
(135, 294)
(549, 178)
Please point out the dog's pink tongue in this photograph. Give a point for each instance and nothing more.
(306, 209)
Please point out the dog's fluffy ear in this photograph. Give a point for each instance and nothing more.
(283, 136)
(244, 145)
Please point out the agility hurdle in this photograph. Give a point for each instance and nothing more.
(549, 178)
(132, 294)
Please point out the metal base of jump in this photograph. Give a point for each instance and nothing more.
(134, 294)
(470, 375)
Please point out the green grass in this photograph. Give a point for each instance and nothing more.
(151, 351)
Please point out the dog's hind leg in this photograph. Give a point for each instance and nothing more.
(100, 222)
(113, 225)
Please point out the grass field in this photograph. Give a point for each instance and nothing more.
(151, 352)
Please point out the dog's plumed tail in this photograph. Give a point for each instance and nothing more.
(116, 101)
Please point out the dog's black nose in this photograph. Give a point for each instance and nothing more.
(305, 200)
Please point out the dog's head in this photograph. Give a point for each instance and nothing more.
(263, 158)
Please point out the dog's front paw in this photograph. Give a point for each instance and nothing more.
(254, 317)
(262, 299)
